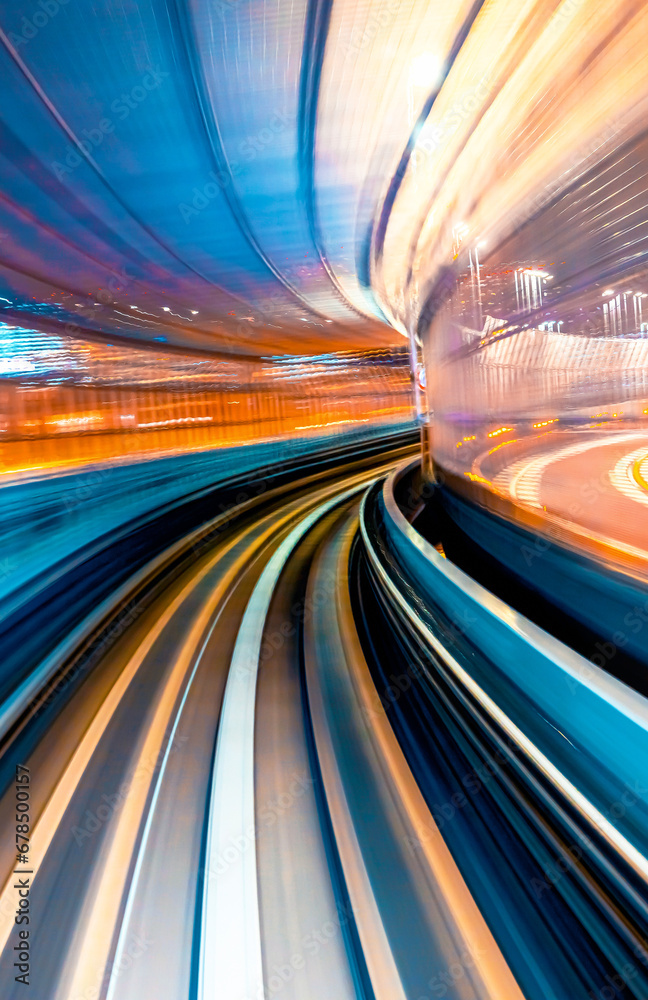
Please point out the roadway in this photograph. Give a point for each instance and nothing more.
(197, 828)
(239, 775)
(599, 484)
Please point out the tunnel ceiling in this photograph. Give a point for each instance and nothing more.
(271, 177)
(201, 174)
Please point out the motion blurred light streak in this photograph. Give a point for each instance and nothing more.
(230, 952)
(66, 402)
(490, 604)
(523, 112)
(447, 901)
(85, 975)
(100, 916)
(515, 247)
(245, 245)
(370, 100)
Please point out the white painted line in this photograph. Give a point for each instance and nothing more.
(525, 484)
(122, 941)
(48, 822)
(231, 965)
(623, 480)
